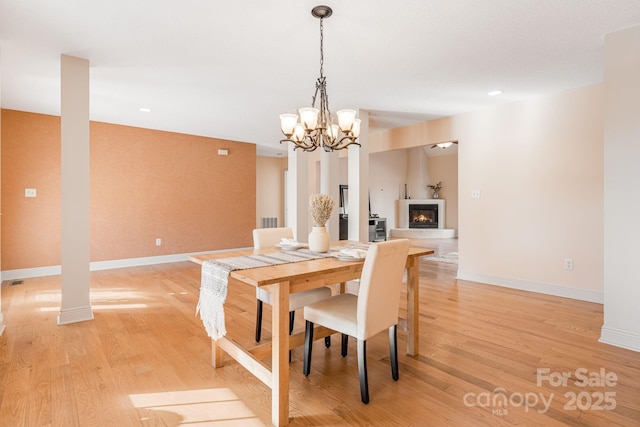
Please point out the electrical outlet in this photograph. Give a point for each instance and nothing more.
(568, 264)
(29, 192)
(475, 194)
(158, 242)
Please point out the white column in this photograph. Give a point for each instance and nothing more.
(359, 183)
(298, 193)
(330, 184)
(76, 304)
(621, 197)
(418, 174)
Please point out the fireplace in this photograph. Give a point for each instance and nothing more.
(418, 230)
(423, 216)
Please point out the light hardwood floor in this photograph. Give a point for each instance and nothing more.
(145, 360)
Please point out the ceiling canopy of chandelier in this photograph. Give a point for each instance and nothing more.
(316, 127)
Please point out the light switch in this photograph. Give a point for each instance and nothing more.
(29, 192)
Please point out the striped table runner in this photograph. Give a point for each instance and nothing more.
(215, 278)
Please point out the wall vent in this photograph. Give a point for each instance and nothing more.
(270, 222)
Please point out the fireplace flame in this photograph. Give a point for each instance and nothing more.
(422, 218)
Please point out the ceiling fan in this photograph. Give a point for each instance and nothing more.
(444, 145)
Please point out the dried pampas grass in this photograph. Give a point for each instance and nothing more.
(320, 206)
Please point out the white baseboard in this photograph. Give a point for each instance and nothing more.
(620, 338)
(79, 314)
(54, 270)
(542, 288)
(135, 262)
(26, 273)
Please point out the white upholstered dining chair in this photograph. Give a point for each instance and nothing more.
(373, 310)
(268, 237)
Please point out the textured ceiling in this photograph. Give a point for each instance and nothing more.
(228, 69)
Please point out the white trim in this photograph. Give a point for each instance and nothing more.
(2, 325)
(542, 288)
(54, 270)
(26, 273)
(620, 338)
(134, 262)
(75, 315)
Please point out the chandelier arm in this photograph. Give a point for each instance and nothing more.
(311, 145)
(338, 145)
(300, 144)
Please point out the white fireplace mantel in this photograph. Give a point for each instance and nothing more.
(403, 210)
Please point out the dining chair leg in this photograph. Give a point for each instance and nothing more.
(393, 351)
(345, 345)
(362, 370)
(258, 320)
(292, 319)
(308, 342)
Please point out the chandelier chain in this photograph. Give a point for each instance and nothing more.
(321, 47)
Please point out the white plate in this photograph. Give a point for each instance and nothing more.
(289, 247)
(348, 258)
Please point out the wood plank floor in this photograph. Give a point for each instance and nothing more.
(145, 360)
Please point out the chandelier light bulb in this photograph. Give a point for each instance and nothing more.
(355, 130)
(332, 133)
(288, 123)
(346, 119)
(298, 133)
(309, 118)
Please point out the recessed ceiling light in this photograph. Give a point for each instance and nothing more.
(495, 93)
(144, 109)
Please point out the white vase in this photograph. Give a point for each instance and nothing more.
(319, 239)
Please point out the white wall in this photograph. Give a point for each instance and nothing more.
(387, 172)
(270, 189)
(539, 167)
(387, 176)
(445, 169)
(622, 189)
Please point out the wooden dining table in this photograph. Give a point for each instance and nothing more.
(283, 279)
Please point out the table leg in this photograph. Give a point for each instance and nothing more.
(217, 355)
(413, 308)
(280, 355)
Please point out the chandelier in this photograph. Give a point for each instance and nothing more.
(316, 127)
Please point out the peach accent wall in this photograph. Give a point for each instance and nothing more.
(30, 159)
(145, 184)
